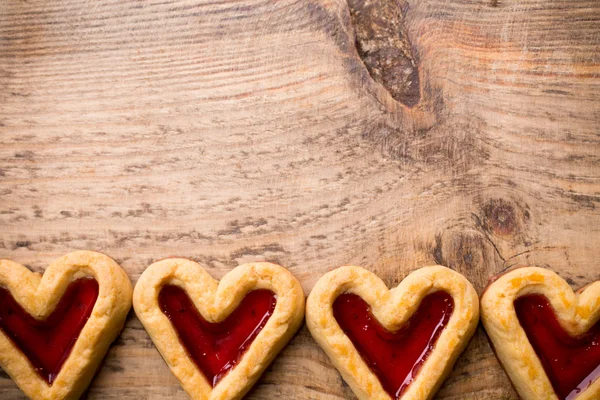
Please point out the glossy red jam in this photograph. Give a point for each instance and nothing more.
(571, 363)
(217, 347)
(395, 357)
(48, 343)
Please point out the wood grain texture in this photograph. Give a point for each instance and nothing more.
(228, 131)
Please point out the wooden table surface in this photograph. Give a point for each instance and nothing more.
(228, 131)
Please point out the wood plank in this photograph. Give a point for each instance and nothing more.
(232, 131)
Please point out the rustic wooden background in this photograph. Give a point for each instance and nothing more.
(236, 130)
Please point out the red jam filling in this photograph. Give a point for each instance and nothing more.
(571, 363)
(48, 343)
(395, 357)
(217, 347)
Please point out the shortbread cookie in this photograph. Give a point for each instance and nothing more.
(56, 328)
(398, 343)
(546, 336)
(218, 337)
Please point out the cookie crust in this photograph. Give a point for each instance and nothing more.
(392, 308)
(215, 301)
(577, 312)
(39, 294)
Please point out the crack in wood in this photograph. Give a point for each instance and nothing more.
(382, 44)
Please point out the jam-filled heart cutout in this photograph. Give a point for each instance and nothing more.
(571, 363)
(398, 343)
(47, 343)
(395, 357)
(218, 346)
(56, 328)
(218, 337)
(546, 336)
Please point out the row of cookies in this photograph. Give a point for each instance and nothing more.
(218, 337)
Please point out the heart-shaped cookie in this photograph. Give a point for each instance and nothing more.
(398, 343)
(546, 336)
(56, 328)
(218, 337)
